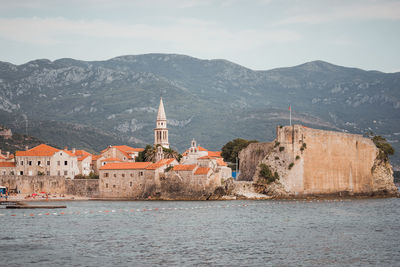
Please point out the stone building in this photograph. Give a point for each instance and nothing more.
(123, 153)
(161, 130)
(6, 157)
(46, 160)
(132, 179)
(7, 168)
(84, 161)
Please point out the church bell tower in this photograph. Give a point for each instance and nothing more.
(161, 130)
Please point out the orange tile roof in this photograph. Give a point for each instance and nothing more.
(69, 153)
(42, 150)
(112, 159)
(7, 164)
(202, 171)
(201, 148)
(206, 157)
(159, 164)
(182, 167)
(129, 149)
(221, 162)
(216, 154)
(126, 166)
(83, 157)
(96, 157)
(2, 157)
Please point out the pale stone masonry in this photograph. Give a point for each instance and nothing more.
(46, 160)
(161, 130)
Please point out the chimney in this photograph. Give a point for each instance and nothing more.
(26, 148)
(65, 148)
(73, 150)
(8, 154)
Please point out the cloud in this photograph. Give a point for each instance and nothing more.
(347, 10)
(181, 33)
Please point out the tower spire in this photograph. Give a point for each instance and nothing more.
(161, 130)
(161, 111)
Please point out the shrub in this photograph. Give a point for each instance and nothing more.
(280, 126)
(303, 146)
(297, 157)
(277, 144)
(266, 173)
(276, 158)
(291, 165)
(385, 149)
(40, 173)
(281, 148)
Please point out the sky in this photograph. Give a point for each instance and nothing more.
(258, 34)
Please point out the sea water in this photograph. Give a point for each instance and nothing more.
(184, 233)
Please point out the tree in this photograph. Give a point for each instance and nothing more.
(230, 150)
(149, 154)
(385, 149)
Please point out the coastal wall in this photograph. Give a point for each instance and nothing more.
(51, 184)
(313, 162)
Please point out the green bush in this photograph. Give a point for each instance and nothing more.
(276, 158)
(266, 173)
(281, 148)
(291, 165)
(277, 144)
(385, 149)
(297, 157)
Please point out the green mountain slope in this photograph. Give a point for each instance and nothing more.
(94, 104)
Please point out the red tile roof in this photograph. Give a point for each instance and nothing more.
(96, 157)
(7, 164)
(201, 148)
(182, 167)
(202, 171)
(111, 159)
(159, 164)
(126, 166)
(38, 151)
(206, 157)
(216, 154)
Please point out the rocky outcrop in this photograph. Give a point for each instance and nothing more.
(250, 158)
(305, 162)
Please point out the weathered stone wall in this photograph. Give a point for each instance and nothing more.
(34, 184)
(51, 184)
(250, 157)
(313, 162)
(82, 187)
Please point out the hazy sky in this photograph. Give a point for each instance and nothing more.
(258, 34)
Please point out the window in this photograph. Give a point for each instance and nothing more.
(21, 173)
(123, 175)
(106, 185)
(58, 163)
(48, 163)
(106, 174)
(113, 185)
(39, 162)
(130, 183)
(30, 163)
(48, 173)
(65, 163)
(131, 174)
(22, 162)
(115, 175)
(141, 173)
(65, 172)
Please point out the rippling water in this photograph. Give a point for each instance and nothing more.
(97, 233)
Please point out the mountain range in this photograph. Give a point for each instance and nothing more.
(92, 104)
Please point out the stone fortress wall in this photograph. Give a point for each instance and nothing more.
(51, 184)
(324, 162)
